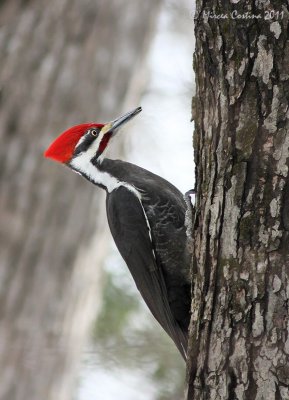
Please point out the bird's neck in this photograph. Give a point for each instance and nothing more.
(92, 171)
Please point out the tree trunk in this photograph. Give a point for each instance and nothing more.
(239, 343)
(62, 62)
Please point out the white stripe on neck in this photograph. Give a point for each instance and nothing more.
(84, 166)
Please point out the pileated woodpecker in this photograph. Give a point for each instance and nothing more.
(146, 216)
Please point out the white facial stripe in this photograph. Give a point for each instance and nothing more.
(104, 130)
(92, 149)
(80, 140)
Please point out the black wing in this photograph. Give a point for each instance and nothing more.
(131, 233)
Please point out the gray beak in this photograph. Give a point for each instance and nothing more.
(117, 123)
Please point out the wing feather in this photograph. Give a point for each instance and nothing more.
(131, 232)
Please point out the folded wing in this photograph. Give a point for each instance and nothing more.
(131, 232)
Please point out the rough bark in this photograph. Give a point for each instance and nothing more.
(62, 62)
(239, 343)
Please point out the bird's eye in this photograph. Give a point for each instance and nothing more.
(94, 132)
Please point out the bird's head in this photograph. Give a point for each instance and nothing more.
(89, 140)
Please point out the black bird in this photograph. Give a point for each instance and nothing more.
(146, 216)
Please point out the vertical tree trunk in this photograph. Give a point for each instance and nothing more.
(62, 62)
(239, 343)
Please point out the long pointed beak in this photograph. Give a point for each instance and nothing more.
(117, 123)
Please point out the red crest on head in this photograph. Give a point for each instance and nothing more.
(62, 148)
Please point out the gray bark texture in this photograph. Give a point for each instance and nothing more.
(62, 62)
(239, 342)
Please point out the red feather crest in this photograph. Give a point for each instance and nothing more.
(62, 148)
